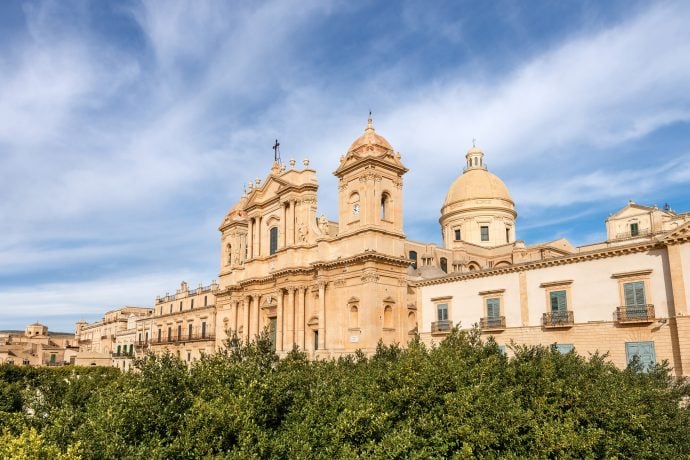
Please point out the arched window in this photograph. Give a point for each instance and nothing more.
(354, 317)
(413, 257)
(385, 205)
(411, 321)
(444, 264)
(274, 240)
(228, 248)
(388, 317)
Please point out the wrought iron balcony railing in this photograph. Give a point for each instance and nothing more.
(557, 319)
(629, 234)
(635, 314)
(492, 323)
(195, 336)
(441, 326)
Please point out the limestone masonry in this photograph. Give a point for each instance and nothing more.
(331, 288)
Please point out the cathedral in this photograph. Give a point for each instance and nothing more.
(333, 287)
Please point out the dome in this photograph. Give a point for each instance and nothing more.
(370, 137)
(477, 184)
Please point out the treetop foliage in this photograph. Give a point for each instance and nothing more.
(461, 399)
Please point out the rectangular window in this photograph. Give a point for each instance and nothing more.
(316, 340)
(564, 348)
(634, 229)
(159, 334)
(493, 308)
(189, 356)
(190, 331)
(191, 304)
(273, 240)
(644, 351)
(442, 311)
(169, 333)
(147, 336)
(179, 331)
(484, 232)
(118, 349)
(558, 301)
(131, 348)
(140, 337)
(458, 235)
(205, 301)
(180, 306)
(203, 329)
(634, 294)
(507, 235)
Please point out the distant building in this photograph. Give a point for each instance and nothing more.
(98, 341)
(35, 346)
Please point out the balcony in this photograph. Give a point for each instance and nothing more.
(196, 336)
(630, 314)
(557, 319)
(441, 327)
(494, 323)
(122, 354)
(630, 234)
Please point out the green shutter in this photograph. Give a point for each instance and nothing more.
(558, 301)
(564, 348)
(643, 350)
(493, 308)
(634, 293)
(442, 309)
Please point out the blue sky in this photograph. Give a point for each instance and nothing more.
(128, 129)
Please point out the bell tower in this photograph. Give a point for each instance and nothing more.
(370, 185)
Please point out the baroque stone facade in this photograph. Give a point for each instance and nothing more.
(333, 287)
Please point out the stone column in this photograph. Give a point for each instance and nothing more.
(256, 311)
(322, 316)
(290, 323)
(285, 225)
(292, 222)
(257, 237)
(279, 322)
(300, 317)
(245, 320)
(250, 238)
(233, 315)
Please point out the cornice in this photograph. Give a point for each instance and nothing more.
(535, 265)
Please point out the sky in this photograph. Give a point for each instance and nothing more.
(128, 128)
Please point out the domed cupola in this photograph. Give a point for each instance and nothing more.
(478, 208)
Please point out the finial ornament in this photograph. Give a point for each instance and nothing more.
(474, 142)
(305, 162)
(370, 124)
(292, 163)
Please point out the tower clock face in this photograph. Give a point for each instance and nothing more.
(355, 209)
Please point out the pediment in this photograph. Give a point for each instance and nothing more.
(269, 190)
(630, 210)
(678, 235)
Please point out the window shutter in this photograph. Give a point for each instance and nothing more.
(639, 293)
(493, 308)
(558, 301)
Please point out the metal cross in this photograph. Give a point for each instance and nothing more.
(276, 152)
